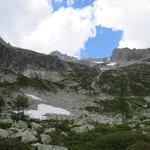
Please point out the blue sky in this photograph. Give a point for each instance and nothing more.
(106, 39)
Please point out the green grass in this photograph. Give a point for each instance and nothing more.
(9, 144)
(35, 82)
(104, 137)
(126, 81)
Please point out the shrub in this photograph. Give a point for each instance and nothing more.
(9, 144)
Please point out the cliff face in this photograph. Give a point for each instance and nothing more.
(19, 59)
(127, 54)
(32, 64)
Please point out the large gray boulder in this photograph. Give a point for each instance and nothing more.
(17, 135)
(83, 129)
(28, 137)
(5, 133)
(45, 139)
(50, 147)
(21, 125)
(50, 131)
(9, 121)
(36, 126)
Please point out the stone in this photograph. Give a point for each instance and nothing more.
(145, 133)
(28, 137)
(50, 147)
(45, 139)
(34, 132)
(146, 115)
(5, 133)
(142, 126)
(36, 126)
(83, 129)
(21, 125)
(9, 121)
(17, 136)
(64, 134)
(50, 131)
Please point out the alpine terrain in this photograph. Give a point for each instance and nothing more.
(58, 102)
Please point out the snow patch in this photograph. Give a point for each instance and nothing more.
(33, 97)
(111, 64)
(44, 109)
(98, 62)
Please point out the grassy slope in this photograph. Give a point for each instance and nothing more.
(130, 80)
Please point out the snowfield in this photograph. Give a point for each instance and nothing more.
(111, 64)
(98, 62)
(44, 109)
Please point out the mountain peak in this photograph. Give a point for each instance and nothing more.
(62, 56)
(2, 41)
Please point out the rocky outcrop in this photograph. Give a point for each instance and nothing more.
(20, 59)
(45, 139)
(50, 147)
(126, 54)
(83, 129)
(28, 137)
(4, 43)
(63, 56)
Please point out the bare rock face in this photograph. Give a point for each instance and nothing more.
(31, 63)
(62, 56)
(20, 59)
(4, 43)
(127, 54)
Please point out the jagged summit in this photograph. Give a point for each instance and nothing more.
(2, 41)
(62, 56)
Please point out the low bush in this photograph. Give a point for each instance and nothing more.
(9, 144)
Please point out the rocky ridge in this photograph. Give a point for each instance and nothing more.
(126, 54)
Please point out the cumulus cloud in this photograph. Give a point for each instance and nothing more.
(130, 16)
(66, 30)
(33, 23)
(20, 17)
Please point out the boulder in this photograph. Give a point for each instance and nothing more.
(36, 126)
(9, 121)
(50, 147)
(5, 133)
(28, 137)
(21, 125)
(45, 139)
(50, 131)
(17, 136)
(83, 129)
(146, 115)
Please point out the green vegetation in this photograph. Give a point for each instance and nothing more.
(5, 125)
(9, 144)
(104, 137)
(126, 81)
(126, 107)
(35, 82)
(81, 74)
(38, 83)
(2, 104)
(20, 104)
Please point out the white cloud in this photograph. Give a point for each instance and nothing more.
(33, 24)
(130, 16)
(20, 17)
(66, 30)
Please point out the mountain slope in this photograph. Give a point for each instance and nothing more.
(126, 54)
